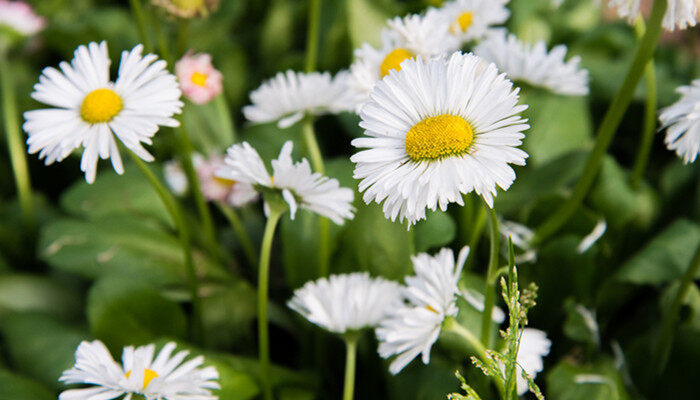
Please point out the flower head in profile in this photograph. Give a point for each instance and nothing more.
(199, 80)
(91, 111)
(348, 302)
(680, 14)
(437, 130)
(163, 377)
(682, 123)
(187, 8)
(289, 95)
(534, 345)
(534, 65)
(298, 185)
(431, 297)
(19, 19)
(470, 20)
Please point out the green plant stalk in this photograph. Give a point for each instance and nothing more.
(227, 126)
(642, 160)
(663, 345)
(314, 25)
(141, 23)
(263, 288)
(312, 144)
(475, 237)
(183, 33)
(175, 212)
(350, 360)
(238, 227)
(609, 126)
(18, 153)
(491, 274)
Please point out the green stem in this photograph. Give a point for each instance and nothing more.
(176, 213)
(609, 126)
(475, 237)
(237, 225)
(183, 33)
(263, 288)
(490, 288)
(640, 163)
(350, 360)
(324, 251)
(663, 345)
(229, 131)
(312, 144)
(141, 23)
(313, 34)
(15, 146)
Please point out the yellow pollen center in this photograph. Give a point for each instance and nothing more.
(393, 60)
(100, 105)
(224, 181)
(438, 137)
(188, 5)
(148, 376)
(199, 79)
(432, 309)
(462, 23)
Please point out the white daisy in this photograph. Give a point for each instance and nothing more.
(347, 302)
(680, 14)
(682, 123)
(90, 110)
(289, 95)
(20, 18)
(431, 295)
(532, 64)
(300, 187)
(165, 377)
(534, 345)
(414, 35)
(437, 130)
(470, 20)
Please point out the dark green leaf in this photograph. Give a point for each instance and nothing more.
(23, 292)
(15, 387)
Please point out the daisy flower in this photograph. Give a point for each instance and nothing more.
(289, 95)
(534, 65)
(346, 303)
(187, 8)
(437, 130)
(431, 295)
(470, 20)
(215, 188)
(682, 123)
(90, 110)
(534, 346)
(19, 18)
(165, 377)
(199, 80)
(680, 14)
(299, 186)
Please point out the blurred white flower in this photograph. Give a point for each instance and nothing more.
(437, 130)
(89, 110)
(534, 345)
(431, 294)
(299, 186)
(165, 377)
(476, 300)
(682, 123)
(521, 236)
(470, 20)
(680, 14)
(175, 177)
(589, 240)
(199, 80)
(20, 18)
(532, 64)
(347, 302)
(187, 8)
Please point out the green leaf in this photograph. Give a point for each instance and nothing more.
(580, 324)
(365, 22)
(598, 381)
(665, 258)
(15, 387)
(123, 311)
(228, 312)
(24, 292)
(439, 229)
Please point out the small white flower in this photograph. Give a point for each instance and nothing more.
(20, 18)
(175, 177)
(532, 64)
(437, 130)
(680, 14)
(534, 345)
(165, 377)
(476, 300)
(682, 123)
(90, 110)
(431, 295)
(348, 302)
(470, 20)
(300, 187)
(287, 96)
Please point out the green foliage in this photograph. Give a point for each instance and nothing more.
(13, 386)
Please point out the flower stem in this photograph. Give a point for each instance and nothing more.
(237, 225)
(312, 144)
(350, 360)
(176, 213)
(490, 288)
(609, 126)
(141, 23)
(476, 232)
(313, 34)
(15, 146)
(263, 288)
(229, 130)
(640, 163)
(663, 345)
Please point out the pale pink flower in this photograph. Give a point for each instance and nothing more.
(199, 80)
(20, 17)
(215, 188)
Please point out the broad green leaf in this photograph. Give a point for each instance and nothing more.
(581, 324)
(16, 387)
(598, 381)
(665, 258)
(24, 292)
(439, 229)
(228, 312)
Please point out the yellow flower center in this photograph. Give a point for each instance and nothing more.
(101, 105)
(224, 181)
(438, 137)
(199, 79)
(462, 23)
(188, 5)
(393, 60)
(148, 376)
(432, 309)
